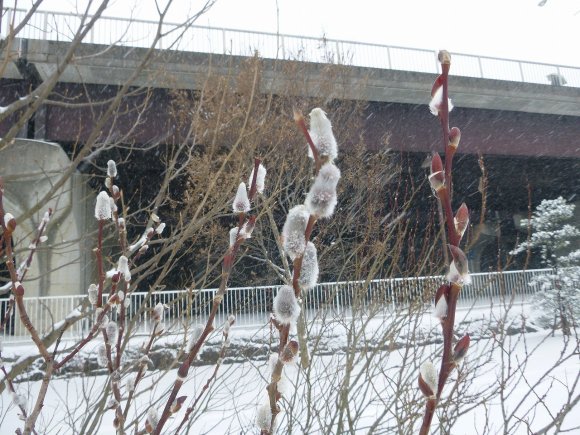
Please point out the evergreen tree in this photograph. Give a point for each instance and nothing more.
(559, 297)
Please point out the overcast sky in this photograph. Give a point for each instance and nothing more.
(515, 29)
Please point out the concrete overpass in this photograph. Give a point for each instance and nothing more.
(499, 117)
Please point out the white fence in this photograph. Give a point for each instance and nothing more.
(252, 305)
(139, 33)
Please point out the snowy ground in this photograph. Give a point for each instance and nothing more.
(510, 382)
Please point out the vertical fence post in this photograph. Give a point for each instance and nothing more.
(224, 41)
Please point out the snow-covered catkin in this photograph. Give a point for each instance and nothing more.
(241, 202)
(286, 308)
(293, 231)
(103, 207)
(260, 179)
(321, 199)
(309, 272)
(322, 136)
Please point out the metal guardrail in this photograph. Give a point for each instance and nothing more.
(252, 305)
(55, 26)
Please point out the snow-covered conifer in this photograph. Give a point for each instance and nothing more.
(552, 236)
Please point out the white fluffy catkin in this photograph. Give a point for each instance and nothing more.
(123, 267)
(103, 207)
(293, 238)
(309, 272)
(321, 199)
(321, 134)
(241, 202)
(102, 356)
(264, 416)
(93, 293)
(429, 375)
(111, 168)
(112, 331)
(260, 179)
(286, 308)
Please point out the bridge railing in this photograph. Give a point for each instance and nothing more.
(59, 26)
(252, 305)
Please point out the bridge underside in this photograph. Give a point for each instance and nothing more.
(146, 117)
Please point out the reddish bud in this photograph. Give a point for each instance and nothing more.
(436, 85)
(460, 260)
(425, 388)
(454, 137)
(437, 177)
(9, 222)
(461, 220)
(461, 349)
(289, 352)
(441, 299)
(18, 289)
(177, 403)
(428, 379)
(444, 57)
(298, 116)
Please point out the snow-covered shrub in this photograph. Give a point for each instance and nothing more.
(558, 299)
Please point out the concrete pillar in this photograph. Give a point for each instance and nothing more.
(29, 169)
